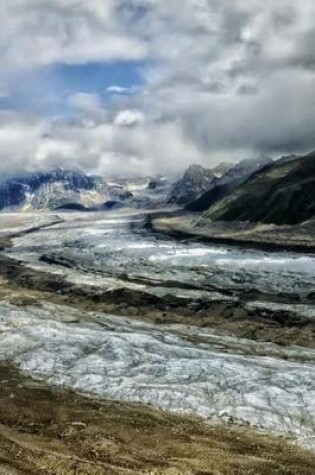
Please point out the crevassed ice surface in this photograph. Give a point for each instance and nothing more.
(111, 245)
(218, 378)
(114, 357)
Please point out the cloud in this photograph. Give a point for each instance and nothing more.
(123, 91)
(104, 147)
(223, 80)
(129, 118)
(40, 33)
(238, 76)
(89, 106)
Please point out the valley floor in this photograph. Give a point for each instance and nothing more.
(96, 305)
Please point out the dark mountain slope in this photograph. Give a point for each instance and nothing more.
(213, 195)
(282, 193)
(228, 182)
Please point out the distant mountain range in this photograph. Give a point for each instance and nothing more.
(222, 179)
(57, 189)
(74, 190)
(261, 190)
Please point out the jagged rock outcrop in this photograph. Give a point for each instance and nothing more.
(245, 168)
(196, 180)
(222, 169)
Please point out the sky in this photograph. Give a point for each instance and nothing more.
(150, 86)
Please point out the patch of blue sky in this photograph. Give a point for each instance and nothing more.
(47, 91)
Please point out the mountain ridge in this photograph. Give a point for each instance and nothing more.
(280, 193)
(48, 189)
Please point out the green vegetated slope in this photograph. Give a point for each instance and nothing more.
(281, 193)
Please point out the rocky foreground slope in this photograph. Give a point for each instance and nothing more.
(59, 432)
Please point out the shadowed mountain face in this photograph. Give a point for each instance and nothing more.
(280, 193)
(215, 194)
